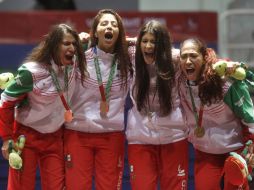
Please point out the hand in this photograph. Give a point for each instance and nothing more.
(210, 56)
(175, 55)
(84, 37)
(131, 41)
(5, 151)
(250, 160)
(250, 156)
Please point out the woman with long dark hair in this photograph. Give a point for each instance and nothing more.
(36, 105)
(94, 141)
(219, 114)
(156, 133)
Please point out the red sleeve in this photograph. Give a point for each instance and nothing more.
(7, 115)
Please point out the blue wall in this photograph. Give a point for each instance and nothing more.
(11, 56)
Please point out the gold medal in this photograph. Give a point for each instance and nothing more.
(149, 123)
(68, 116)
(104, 108)
(199, 132)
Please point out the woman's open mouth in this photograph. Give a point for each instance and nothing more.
(69, 57)
(108, 36)
(190, 71)
(149, 55)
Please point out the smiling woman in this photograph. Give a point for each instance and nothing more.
(192, 61)
(148, 47)
(219, 114)
(41, 89)
(107, 33)
(155, 129)
(94, 141)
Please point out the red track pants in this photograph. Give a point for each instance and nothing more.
(208, 172)
(45, 151)
(166, 164)
(98, 155)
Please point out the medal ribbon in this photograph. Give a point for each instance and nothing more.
(58, 87)
(198, 117)
(104, 96)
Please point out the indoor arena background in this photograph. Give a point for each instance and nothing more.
(225, 25)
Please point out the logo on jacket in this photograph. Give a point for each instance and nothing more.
(181, 172)
(18, 81)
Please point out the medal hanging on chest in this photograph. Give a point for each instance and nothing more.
(150, 112)
(104, 104)
(199, 130)
(149, 124)
(68, 115)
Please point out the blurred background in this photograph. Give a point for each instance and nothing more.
(225, 25)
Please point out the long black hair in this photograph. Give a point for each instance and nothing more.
(163, 65)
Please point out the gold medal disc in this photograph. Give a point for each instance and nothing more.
(199, 132)
(68, 116)
(104, 108)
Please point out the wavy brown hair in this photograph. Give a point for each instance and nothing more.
(164, 68)
(210, 84)
(49, 48)
(121, 46)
